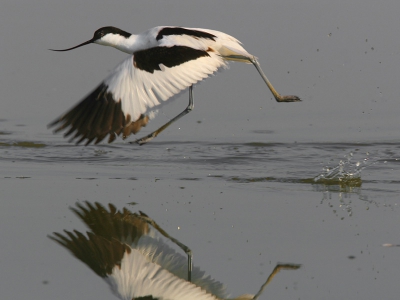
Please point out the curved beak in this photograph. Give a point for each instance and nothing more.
(80, 45)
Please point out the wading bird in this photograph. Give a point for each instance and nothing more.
(127, 251)
(164, 61)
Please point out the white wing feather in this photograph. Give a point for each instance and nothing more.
(136, 277)
(140, 91)
(155, 250)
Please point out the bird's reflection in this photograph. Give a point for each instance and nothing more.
(130, 252)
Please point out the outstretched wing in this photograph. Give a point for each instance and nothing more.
(142, 82)
(136, 278)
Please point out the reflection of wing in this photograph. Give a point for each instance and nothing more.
(158, 252)
(96, 252)
(139, 84)
(116, 234)
(123, 226)
(129, 274)
(151, 280)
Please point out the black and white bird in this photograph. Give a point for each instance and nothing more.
(163, 62)
(129, 252)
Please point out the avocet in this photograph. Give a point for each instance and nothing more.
(163, 62)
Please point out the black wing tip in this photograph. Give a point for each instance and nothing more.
(94, 118)
(52, 124)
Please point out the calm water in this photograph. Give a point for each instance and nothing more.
(241, 207)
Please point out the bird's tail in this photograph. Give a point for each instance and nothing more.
(229, 53)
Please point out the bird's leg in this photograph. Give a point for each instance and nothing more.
(272, 275)
(152, 135)
(185, 248)
(277, 96)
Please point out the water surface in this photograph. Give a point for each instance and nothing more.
(241, 207)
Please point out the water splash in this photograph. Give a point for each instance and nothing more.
(346, 173)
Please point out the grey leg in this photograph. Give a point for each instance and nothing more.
(152, 135)
(272, 275)
(185, 248)
(277, 96)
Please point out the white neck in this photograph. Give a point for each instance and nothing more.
(119, 42)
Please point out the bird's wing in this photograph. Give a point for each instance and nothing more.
(126, 227)
(157, 251)
(136, 277)
(142, 82)
(226, 45)
(127, 271)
